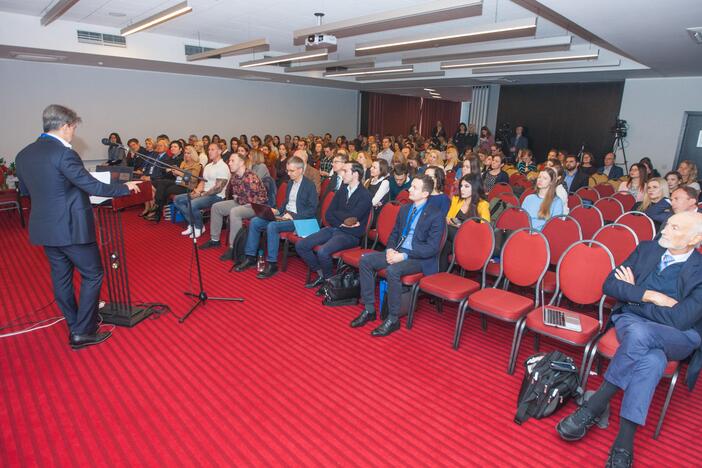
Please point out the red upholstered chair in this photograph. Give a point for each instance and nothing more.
(499, 188)
(574, 200)
(384, 226)
(472, 249)
(508, 198)
(641, 224)
(10, 200)
(610, 207)
(561, 232)
(588, 193)
(605, 190)
(619, 239)
(292, 238)
(589, 218)
(606, 347)
(584, 259)
(280, 194)
(525, 194)
(517, 179)
(450, 185)
(403, 197)
(324, 186)
(626, 199)
(511, 219)
(525, 259)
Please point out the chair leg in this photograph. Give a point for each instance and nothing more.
(586, 353)
(483, 322)
(284, 262)
(410, 317)
(439, 306)
(588, 367)
(537, 343)
(21, 215)
(462, 307)
(668, 397)
(516, 341)
(309, 276)
(412, 306)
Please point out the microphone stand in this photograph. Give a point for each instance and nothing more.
(201, 296)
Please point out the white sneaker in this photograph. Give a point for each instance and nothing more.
(199, 232)
(188, 231)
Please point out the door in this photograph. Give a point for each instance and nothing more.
(691, 143)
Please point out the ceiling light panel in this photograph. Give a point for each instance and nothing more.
(426, 13)
(519, 60)
(401, 75)
(154, 20)
(353, 63)
(371, 71)
(316, 54)
(258, 45)
(487, 32)
(548, 66)
(61, 7)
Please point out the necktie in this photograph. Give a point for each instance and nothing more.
(665, 261)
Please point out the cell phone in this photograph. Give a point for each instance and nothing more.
(563, 366)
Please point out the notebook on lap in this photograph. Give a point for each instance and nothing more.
(305, 227)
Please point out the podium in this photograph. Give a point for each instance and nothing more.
(118, 310)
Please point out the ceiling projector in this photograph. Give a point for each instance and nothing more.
(320, 41)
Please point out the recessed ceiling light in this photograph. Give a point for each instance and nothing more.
(517, 60)
(37, 57)
(100, 63)
(117, 14)
(372, 71)
(429, 89)
(154, 20)
(307, 55)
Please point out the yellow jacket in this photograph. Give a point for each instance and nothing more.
(483, 209)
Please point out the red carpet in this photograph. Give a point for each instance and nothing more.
(276, 380)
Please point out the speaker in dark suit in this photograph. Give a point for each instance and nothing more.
(61, 219)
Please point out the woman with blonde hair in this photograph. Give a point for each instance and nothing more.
(364, 160)
(201, 153)
(544, 204)
(452, 162)
(688, 171)
(656, 202)
(256, 163)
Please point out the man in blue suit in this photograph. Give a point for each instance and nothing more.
(658, 319)
(413, 247)
(61, 220)
(300, 203)
(610, 169)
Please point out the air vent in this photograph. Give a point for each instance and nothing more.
(192, 50)
(96, 38)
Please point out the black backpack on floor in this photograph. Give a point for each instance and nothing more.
(550, 380)
(238, 247)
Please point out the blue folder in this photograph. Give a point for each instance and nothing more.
(305, 227)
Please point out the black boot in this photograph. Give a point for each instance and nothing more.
(246, 264)
(228, 255)
(270, 270)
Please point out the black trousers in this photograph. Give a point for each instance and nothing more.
(371, 263)
(166, 188)
(80, 317)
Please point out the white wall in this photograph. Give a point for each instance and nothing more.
(140, 104)
(654, 109)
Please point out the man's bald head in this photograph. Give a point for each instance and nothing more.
(682, 232)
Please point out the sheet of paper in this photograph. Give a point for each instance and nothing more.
(103, 177)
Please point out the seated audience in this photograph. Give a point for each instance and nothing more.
(325, 164)
(413, 247)
(495, 174)
(364, 159)
(438, 199)
(674, 180)
(544, 204)
(610, 169)
(656, 202)
(649, 167)
(207, 193)
(300, 203)
(587, 165)
(310, 172)
(574, 178)
(452, 162)
(156, 170)
(115, 154)
(658, 319)
(347, 216)
(387, 151)
(469, 166)
(256, 162)
(399, 181)
(281, 165)
(688, 171)
(485, 141)
(226, 152)
(525, 161)
(684, 198)
(191, 169)
(636, 185)
(245, 188)
(337, 173)
(378, 186)
(561, 192)
(133, 158)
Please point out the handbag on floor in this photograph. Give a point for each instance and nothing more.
(344, 288)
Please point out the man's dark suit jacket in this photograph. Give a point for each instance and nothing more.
(426, 241)
(579, 180)
(306, 201)
(686, 314)
(59, 185)
(615, 173)
(331, 186)
(357, 206)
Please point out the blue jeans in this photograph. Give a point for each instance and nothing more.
(645, 347)
(199, 203)
(273, 230)
(330, 240)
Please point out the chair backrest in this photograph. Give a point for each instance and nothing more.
(513, 218)
(605, 190)
(561, 232)
(450, 183)
(516, 178)
(525, 194)
(508, 198)
(386, 221)
(610, 207)
(325, 206)
(525, 258)
(499, 188)
(584, 259)
(574, 200)
(473, 245)
(280, 195)
(588, 193)
(626, 199)
(403, 197)
(619, 239)
(324, 186)
(271, 190)
(642, 225)
(589, 218)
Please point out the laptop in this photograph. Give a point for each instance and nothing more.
(306, 227)
(263, 211)
(559, 318)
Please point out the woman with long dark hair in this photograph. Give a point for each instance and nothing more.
(544, 204)
(438, 199)
(115, 154)
(636, 185)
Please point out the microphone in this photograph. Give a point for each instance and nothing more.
(107, 142)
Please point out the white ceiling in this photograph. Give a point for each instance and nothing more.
(646, 38)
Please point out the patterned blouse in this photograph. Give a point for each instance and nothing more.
(247, 189)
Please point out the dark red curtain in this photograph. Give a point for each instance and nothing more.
(389, 114)
(433, 110)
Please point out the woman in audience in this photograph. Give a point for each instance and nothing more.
(244, 141)
(649, 167)
(636, 185)
(167, 187)
(561, 191)
(276, 141)
(525, 162)
(674, 179)
(433, 158)
(438, 199)
(364, 160)
(257, 163)
(544, 204)
(205, 142)
(115, 154)
(256, 142)
(688, 171)
(378, 186)
(485, 141)
(373, 150)
(215, 138)
(656, 202)
(452, 162)
(398, 157)
(495, 175)
(469, 166)
(460, 138)
(317, 154)
(587, 165)
(201, 154)
(281, 168)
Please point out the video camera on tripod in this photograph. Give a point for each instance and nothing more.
(620, 128)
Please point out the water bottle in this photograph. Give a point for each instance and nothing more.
(261, 264)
